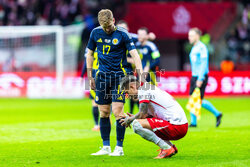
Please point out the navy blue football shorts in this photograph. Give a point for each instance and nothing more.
(108, 88)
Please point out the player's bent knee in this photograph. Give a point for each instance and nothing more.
(118, 115)
(136, 126)
(117, 109)
(104, 110)
(104, 114)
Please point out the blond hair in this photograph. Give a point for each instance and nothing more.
(196, 30)
(105, 16)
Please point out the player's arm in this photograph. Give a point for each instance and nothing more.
(90, 59)
(130, 60)
(137, 60)
(134, 37)
(133, 52)
(143, 113)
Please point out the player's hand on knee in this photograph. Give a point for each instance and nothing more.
(124, 121)
(127, 121)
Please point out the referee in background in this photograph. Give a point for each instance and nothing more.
(199, 58)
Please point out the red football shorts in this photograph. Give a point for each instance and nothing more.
(166, 130)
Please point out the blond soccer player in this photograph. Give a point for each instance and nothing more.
(111, 43)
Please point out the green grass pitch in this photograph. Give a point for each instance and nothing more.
(58, 133)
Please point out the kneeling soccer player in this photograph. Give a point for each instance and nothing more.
(160, 118)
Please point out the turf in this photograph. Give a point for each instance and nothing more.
(58, 133)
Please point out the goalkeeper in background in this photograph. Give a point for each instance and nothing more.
(199, 58)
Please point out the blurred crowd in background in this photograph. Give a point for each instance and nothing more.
(238, 39)
(54, 12)
(40, 12)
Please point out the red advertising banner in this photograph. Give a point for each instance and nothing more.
(236, 83)
(44, 85)
(39, 85)
(174, 19)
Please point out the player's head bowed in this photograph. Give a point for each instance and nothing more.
(106, 20)
(129, 84)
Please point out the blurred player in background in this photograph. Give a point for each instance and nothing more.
(150, 55)
(199, 58)
(111, 43)
(129, 64)
(95, 110)
(160, 118)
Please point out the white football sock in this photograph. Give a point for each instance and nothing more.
(149, 135)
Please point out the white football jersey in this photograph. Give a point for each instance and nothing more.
(161, 104)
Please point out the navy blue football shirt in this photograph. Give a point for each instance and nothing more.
(111, 48)
(150, 54)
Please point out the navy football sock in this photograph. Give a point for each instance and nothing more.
(120, 132)
(105, 128)
(95, 114)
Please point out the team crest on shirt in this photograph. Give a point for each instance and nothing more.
(115, 41)
(96, 98)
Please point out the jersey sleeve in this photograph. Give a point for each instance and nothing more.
(92, 44)
(134, 37)
(128, 41)
(204, 63)
(155, 52)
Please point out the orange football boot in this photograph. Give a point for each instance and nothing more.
(166, 153)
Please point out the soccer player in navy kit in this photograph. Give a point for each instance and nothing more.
(111, 43)
(199, 58)
(150, 55)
